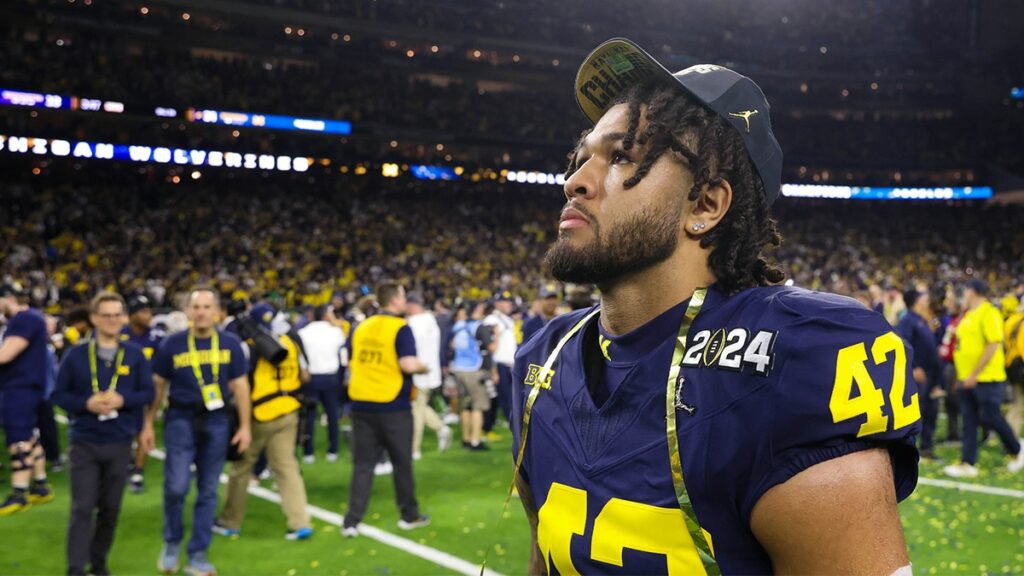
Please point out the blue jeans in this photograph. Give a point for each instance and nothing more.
(981, 405)
(202, 439)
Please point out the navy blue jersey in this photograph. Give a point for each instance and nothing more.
(29, 368)
(149, 340)
(775, 380)
(173, 362)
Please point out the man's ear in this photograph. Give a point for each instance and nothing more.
(710, 208)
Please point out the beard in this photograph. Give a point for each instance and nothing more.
(642, 240)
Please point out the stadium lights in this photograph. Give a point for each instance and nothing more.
(886, 193)
(535, 177)
(244, 119)
(158, 154)
(248, 161)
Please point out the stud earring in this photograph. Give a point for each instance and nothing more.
(699, 226)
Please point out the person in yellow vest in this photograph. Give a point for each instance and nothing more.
(382, 360)
(276, 403)
(981, 374)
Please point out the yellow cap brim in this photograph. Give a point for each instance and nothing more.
(609, 71)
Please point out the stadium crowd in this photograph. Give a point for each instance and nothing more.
(299, 239)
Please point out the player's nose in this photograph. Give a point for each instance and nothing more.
(582, 182)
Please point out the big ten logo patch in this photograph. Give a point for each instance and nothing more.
(533, 376)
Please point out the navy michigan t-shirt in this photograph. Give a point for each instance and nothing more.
(173, 363)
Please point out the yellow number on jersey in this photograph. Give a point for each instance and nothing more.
(851, 370)
(901, 415)
(564, 513)
(621, 524)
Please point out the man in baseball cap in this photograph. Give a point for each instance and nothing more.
(702, 419)
(140, 331)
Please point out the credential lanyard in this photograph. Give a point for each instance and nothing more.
(92, 368)
(674, 386)
(193, 357)
(675, 461)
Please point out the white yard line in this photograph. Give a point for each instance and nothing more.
(981, 488)
(427, 553)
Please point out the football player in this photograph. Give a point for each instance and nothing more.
(701, 419)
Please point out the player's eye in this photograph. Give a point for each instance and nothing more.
(620, 157)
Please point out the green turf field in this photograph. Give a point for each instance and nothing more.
(948, 531)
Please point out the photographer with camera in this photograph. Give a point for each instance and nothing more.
(472, 343)
(279, 370)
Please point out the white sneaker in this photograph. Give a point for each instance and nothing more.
(444, 439)
(265, 475)
(1017, 464)
(450, 418)
(417, 523)
(309, 459)
(332, 457)
(417, 455)
(383, 469)
(962, 470)
(350, 532)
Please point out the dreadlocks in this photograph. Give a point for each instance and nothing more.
(714, 152)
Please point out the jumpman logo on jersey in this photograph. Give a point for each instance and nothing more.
(746, 114)
(680, 405)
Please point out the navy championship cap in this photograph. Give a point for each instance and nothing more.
(618, 64)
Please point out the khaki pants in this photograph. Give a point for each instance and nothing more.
(423, 413)
(278, 438)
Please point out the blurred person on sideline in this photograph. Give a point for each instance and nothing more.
(276, 403)
(382, 363)
(952, 314)
(24, 364)
(49, 435)
(546, 308)
(1015, 366)
(981, 380)
(915, 330)
(326, 350)
(202, 371)
(500, 321)
(104, 385)
(140, 332)
(427, 333)
(470, 341)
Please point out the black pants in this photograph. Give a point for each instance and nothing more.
(504, 403)
(48, 435)
(372, 434)
(929, 415)
(328, 398)
(98, 476)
